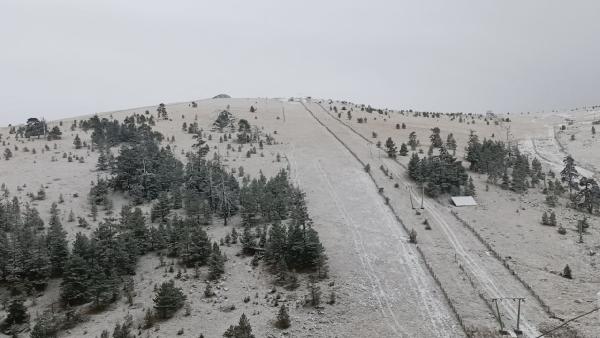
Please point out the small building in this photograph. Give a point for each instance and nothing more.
(463, 201)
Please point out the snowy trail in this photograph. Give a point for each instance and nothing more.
(495, 279)
(548, 150)
(406, 297)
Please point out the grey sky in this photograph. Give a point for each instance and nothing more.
(65, 58)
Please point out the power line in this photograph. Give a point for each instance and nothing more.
(566, 322)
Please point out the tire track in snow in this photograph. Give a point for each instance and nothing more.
(480, 273)
(380, 295)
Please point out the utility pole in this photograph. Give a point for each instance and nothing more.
(410, 195)
(422, 194)
(499, 316)
(516, 330)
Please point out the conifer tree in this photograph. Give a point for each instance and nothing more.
(451, 143)
(412, 141)
(177, 198)
(567, 272)
(283, 318)
(403, 150)
(216, 263)
(247, 241)
(17, 313)
(103, 285)
(242, 330)
(168, 299)
(436, 139)
(390, 147)
(102, 160)
(505, 181)
(57, 243)
(315, 294)
(77, 142)
(54, 134)
(161, 208)
(413, 167)
(74, 289)
(545, 218)
(569, 173)
(46, 326)
(196, 249)
(552, 220)
(470, 188)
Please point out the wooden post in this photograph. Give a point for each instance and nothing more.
(518, 330)
(422, 194)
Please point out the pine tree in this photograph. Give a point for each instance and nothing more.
(390, 148)
(552, 220)
(168, 299)
(470, 188)
(57, 243)
(242, 330)
(545, 218)
(403, 150)
(436, 140)
(134, 223)
(54, 134)
(216, 263)
(77, 142)
(315, 294)
(7, 154)
(74, 289)
(103, 286)
(283, 318)
(567, 272)
(451, 143)
(247, 241)
(569, 173)
(46, 326)
(177, 199)
(505, 181)
(81, 247)
(413, 167)
(161, 208)
(412, 236)
(102, 160)
(197, 249)
(412, 140)
(17, 313)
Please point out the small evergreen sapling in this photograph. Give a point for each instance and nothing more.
(283, 318)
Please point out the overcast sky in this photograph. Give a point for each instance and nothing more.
(66, 58)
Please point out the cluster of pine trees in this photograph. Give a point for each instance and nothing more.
(94, 269)
(503, 163)
(292, 242)
(440, 174)
(587, 196)
(134, 128)
(30, 253)
(265, 200)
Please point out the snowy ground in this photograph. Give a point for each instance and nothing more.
(383, 286)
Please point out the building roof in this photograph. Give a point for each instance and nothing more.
(463, 201)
